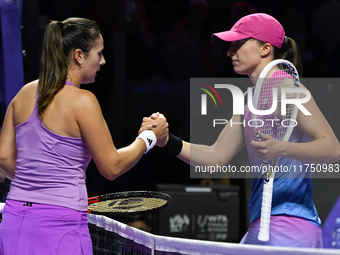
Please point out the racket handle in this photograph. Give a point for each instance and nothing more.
(266, 211)
(257, 138)
(256, 135)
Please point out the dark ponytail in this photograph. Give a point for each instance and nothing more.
(53, 66)
(289, 51)
(61, 38)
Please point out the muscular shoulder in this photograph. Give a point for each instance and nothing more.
(85, 104)
(85, 99)
(32, 86)
(28, 91)
(26, 96)
(23, 103)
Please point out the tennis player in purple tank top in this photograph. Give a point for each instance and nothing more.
(51, 131)
(254, 41)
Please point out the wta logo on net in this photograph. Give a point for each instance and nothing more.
(238, 104)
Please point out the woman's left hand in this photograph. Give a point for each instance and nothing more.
(268, 148)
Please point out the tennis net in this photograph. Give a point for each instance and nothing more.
(112, 237)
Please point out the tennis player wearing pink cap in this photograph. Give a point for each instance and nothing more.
(255, 40)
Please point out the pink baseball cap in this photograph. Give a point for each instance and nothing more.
(259, 26)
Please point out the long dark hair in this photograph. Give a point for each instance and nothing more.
(61, 38)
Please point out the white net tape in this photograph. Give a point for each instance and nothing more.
(155, 245)
(170, 245)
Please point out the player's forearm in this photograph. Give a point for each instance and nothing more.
(184, 155)
(120, 161)
(323, 150)
(8, 165)
(200, 155)
(195, 154)
(129, 156)
(8, 157)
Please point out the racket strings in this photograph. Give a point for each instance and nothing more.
(127, 205)
(276, 124)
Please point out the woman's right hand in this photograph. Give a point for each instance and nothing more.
(159, 125)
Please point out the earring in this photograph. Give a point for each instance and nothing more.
(79, 65)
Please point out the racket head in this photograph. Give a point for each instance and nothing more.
(277, 75)
(129, 203)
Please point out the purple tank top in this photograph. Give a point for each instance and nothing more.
(50, 168)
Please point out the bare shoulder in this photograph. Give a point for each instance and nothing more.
(26, 90)
(31, 86)
(23, 102)
(88, 114)
(26, 95)
(84, 104)
(85, 99)
(306, 93)
(302, 86)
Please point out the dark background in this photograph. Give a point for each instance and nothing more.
(153, 47)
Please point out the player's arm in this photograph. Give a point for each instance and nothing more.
(228, 144)
(110, 162)
(8, 152)
(324, 147)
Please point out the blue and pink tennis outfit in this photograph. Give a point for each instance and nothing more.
(294, 220)
(45, 211)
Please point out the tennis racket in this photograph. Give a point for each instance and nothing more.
(129, 203)
(273, 81)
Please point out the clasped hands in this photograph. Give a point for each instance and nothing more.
(159, 125)
(268, 149)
